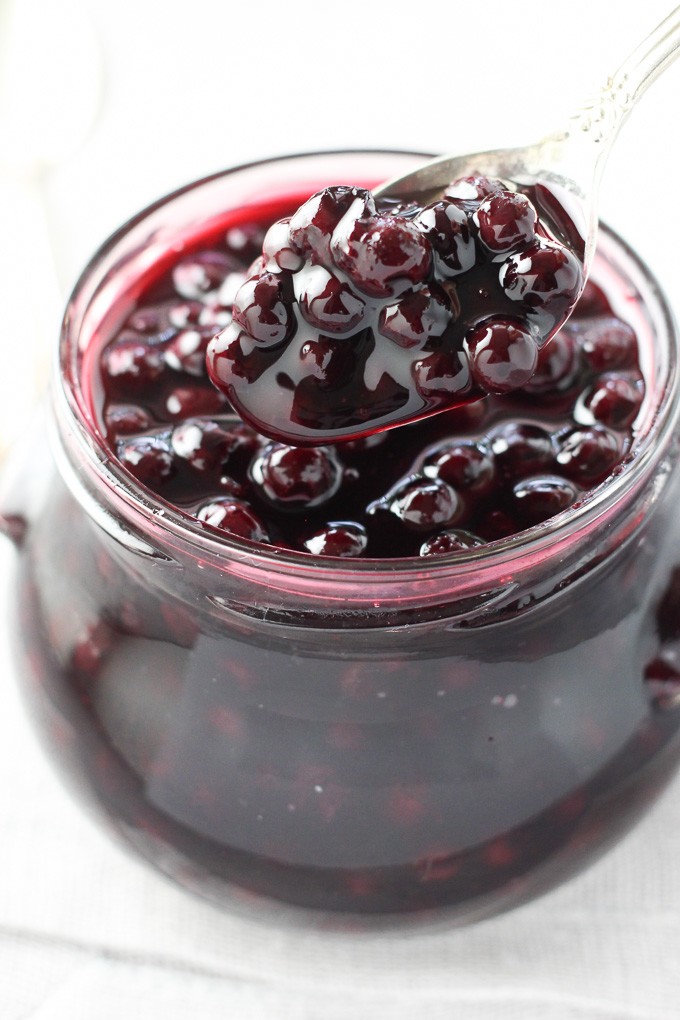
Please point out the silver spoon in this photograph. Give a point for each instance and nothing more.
(566, 166)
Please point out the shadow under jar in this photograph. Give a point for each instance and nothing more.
(393, 737)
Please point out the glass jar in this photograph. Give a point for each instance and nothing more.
(369, 737)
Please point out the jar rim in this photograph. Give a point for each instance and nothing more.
(79, 431)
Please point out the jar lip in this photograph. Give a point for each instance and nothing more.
(140, 504)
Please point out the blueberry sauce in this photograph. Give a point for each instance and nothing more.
(560, 420)
(361, 316)
(363, 738)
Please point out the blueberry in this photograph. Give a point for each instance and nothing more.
(149, 458)
(326, 302)
(338, 538)
(450, 541)
(131, 365)
(615, 401)
(521, 449)
(538, 498)
(235, 517)
(505, 221)
(382, 255)
(263, 310)
(297, 476)
(587, 454)
(503, 355)
(199, 277)
(447, 229)
(418, 317)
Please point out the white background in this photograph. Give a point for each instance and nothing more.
(104, 115)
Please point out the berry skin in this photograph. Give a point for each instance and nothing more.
(503, 355)
(447, 229)
(190, 401)
(587, 454)
(521, 450)
(149, 458)
(233, 516)
(557, 365)
(297, 476)
(443, 374)
(473, 189)
(416, 318)
(125, 419)
(542, 275)
(202, 444)
(326, 303)
(421, 504)
(614, 401)
(505, 221)
(465, 465)
(199, 277)
(313, 224)
(536, 499)
(186, 352)
(277, 249)
(450, 541)
(607, 344)
(131, 365)
(338, 538)
(262, 311)
(382, 255)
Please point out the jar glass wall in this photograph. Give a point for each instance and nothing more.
(377, 738)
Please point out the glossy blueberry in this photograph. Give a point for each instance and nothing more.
(292, 476)
(263, 310)
(198, 277)
(538, 498)
(505, 221)
(338, 538)
(587, 454)
(421, 504)
(447, 228)
(542, 276)
(466, 465)
(418, 317)
(615, 401)
(451, 540)
(277, 249)
(131, 365)
(521, 449)
(125, 419)
(149, 458)
(382, 255)
(503, 355)
(312, 226)
(326, 302)
(233, 516)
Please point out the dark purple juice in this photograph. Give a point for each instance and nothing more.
(376, 738)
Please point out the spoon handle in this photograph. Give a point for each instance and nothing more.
(601, 119)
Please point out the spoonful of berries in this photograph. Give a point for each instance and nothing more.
(369, 310)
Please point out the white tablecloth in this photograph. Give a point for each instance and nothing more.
(85, 932)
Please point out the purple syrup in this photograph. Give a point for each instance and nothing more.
(488, 469)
